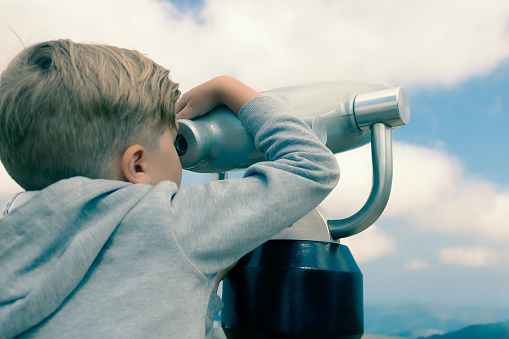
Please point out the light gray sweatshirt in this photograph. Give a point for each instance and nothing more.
(109, 259)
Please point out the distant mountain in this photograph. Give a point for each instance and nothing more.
(423, 320)
(384, 321)
(486, 331)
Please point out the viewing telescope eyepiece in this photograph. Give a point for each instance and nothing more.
(181, 145)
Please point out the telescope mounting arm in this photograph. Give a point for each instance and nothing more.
(381, 153)
(380, 111)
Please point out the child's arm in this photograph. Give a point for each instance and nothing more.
(217, 223)
(222, 90)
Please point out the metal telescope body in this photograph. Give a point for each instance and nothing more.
(301, 283)
(344, 116)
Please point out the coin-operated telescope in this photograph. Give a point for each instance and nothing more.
(302, 283)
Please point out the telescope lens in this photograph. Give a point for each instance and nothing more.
(180, 145)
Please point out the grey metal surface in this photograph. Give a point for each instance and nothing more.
(389, 106)
(340, 114)
(218, 141)
(381, 153)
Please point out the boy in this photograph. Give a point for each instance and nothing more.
(104, 243)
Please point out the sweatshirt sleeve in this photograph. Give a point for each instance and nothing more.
(217, 223)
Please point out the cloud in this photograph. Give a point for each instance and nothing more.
(370, 244)
(496, 110)
(368, 40)
(269, 44)
(416, 265)
(473, 257)
(431, 193)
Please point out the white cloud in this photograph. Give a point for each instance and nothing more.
(497, 109)
(415, 265)
(269, 44)
(430, 192)
(370, 244)
(434, 193)
(354, 184)
(474, 257)
(430, 332)
(389, 41)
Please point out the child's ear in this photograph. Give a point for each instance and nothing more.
(134, 165)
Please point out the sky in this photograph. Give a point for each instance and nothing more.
(443, 236)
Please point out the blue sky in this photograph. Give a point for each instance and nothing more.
(443, 236)
(470, 119)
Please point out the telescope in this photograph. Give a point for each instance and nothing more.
(302, 283)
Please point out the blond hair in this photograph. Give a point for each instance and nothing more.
(67, 109)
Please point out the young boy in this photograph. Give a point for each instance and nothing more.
(104, 243)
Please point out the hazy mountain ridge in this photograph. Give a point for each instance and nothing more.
(484, 331)
(481, 331)
(426, 321)
(422, 320)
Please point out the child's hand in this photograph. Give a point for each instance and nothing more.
(218, 91)
(198, 101)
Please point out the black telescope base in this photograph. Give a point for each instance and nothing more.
(245, 334)
(294, 289)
